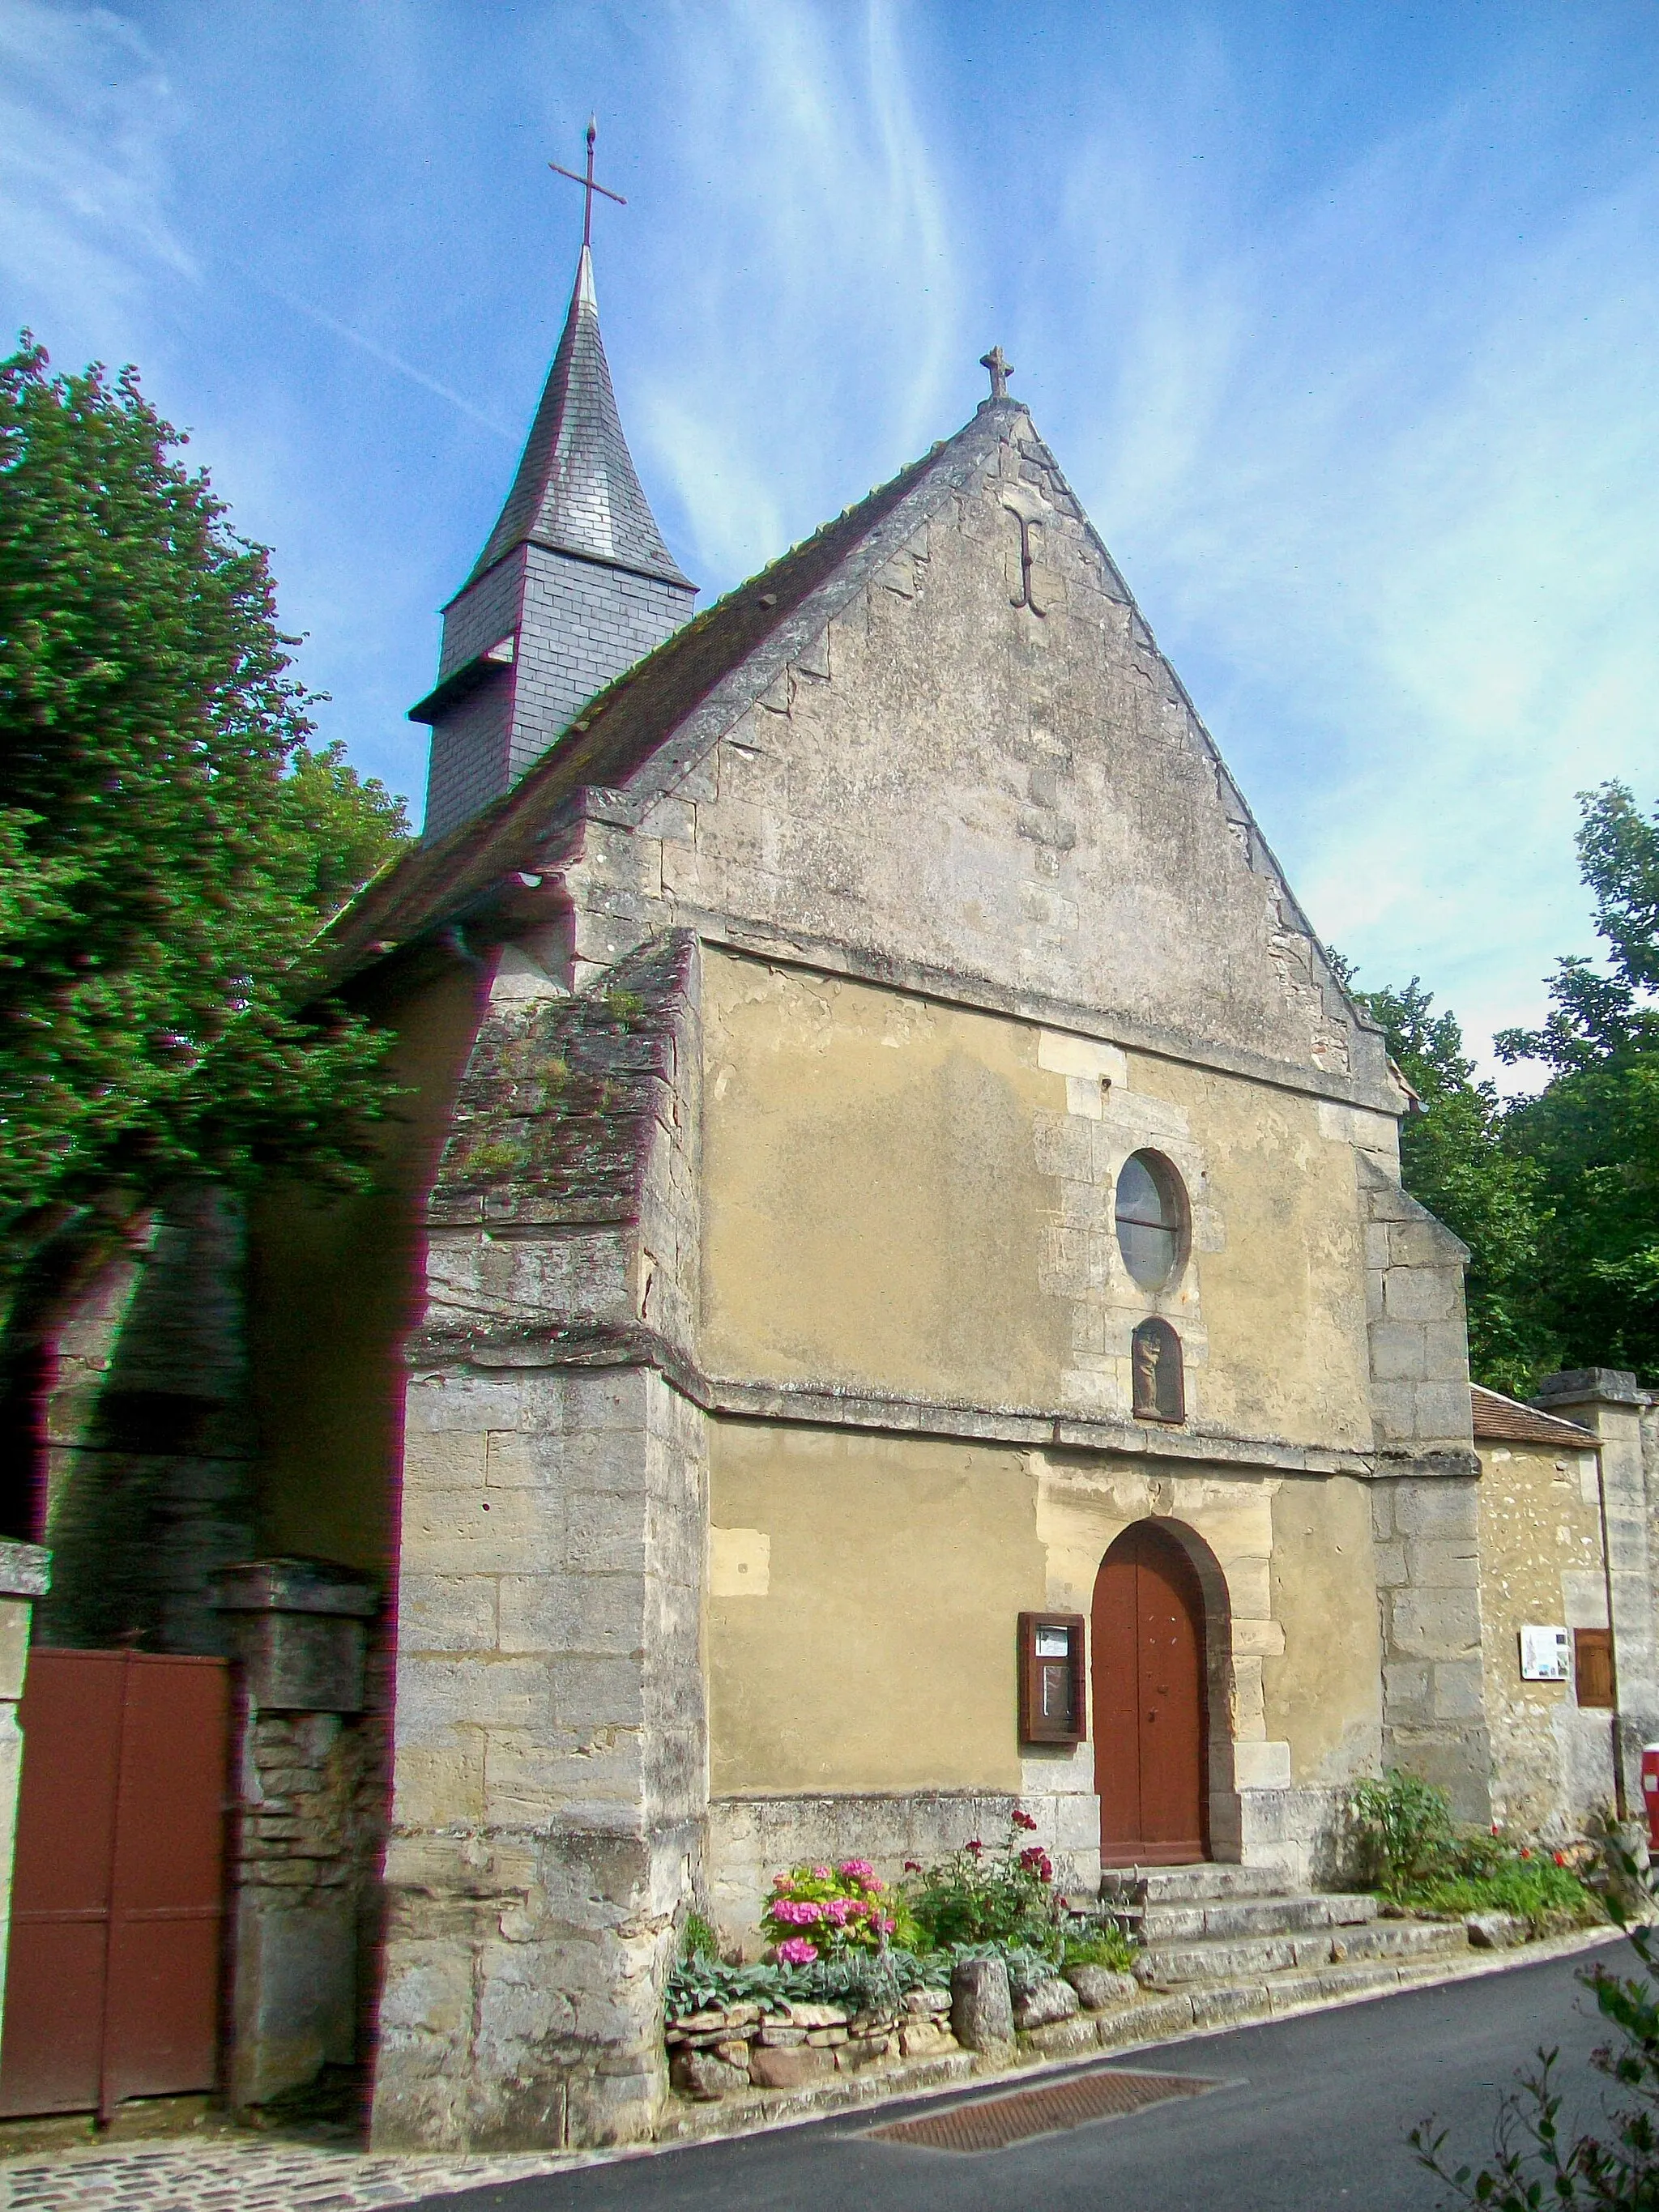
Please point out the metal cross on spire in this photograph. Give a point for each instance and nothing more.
(587, 183)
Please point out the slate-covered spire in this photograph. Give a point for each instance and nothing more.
(573, 586)
(576, 490)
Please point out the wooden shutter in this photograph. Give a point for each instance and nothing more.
(1592, 1658)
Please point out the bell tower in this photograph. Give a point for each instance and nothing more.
(573, 586)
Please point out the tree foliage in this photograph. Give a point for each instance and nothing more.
(1592, 1134)
(1456, 1157)
(170, 843)
(1556, 1195)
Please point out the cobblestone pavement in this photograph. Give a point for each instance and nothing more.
(225, 2173)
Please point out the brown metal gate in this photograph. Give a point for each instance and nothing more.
(113, 1974)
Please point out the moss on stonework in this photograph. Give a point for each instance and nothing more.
(559, 1097)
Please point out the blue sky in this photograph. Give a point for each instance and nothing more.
(1342, 320)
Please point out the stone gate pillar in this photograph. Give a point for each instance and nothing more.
(298, 1629)
(25, 1575)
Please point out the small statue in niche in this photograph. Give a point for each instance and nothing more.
(1157, 1387)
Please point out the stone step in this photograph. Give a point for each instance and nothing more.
(1243, 1959)
(1172, 1885)
(1404, 1939)
(1250, 1916)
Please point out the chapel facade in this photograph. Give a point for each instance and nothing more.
(891, 1298)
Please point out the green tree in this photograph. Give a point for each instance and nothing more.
(1592, 1134)
(169, 844)
(1458, 1158)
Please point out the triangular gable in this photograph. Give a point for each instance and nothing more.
(640, 739)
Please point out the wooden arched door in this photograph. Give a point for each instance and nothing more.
(1152, 1750)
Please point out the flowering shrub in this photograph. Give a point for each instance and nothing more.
(824, 1912)
(987, 1893)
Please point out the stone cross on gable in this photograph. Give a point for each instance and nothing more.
(1000, 370)
(587, 183)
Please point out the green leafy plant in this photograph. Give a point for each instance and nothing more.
(859, 1981)
(1533, 1888)
(1532, 2164)
(1002, 1895)
(698, 1939)
(1402, 1829)
(1102, 1945)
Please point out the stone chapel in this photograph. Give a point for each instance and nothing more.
(892, 1245)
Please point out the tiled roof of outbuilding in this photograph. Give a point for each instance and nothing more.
(1498, 1419)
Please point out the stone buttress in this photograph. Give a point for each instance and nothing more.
(550, 1771)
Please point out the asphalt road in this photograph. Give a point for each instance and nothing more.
(1309, 2114)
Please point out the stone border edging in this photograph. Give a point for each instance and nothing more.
(1235, 2004)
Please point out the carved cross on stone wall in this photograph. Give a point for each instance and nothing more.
(1000, 370)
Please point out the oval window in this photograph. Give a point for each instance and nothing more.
(1151, 1218)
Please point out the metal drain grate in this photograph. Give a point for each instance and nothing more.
(996, 2122)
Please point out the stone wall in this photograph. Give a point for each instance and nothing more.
(1095, 863)
(549, 1763)
(1609, 1402)
(1425, 1504)
(1542, 1563)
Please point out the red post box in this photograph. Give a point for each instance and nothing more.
(1650, 1791)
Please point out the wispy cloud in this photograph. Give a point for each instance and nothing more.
(1410, 529)
(823, 286)
(87, 116)
(376, 351)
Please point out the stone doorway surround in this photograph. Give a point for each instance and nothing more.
(1225, 1523)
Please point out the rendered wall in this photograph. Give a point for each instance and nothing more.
(333, 1291)
(863, 1596)
(917, 1199)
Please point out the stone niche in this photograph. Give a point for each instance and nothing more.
(306, 1771)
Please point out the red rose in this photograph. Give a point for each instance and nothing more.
(1024, 1819)
(977, 1847)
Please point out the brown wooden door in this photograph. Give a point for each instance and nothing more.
(113, 1972)
(1151, 1739)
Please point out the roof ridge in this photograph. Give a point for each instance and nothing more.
(699, 677)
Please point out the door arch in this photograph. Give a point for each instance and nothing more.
(1150, 1709)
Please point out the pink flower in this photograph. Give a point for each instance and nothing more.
(793, 1910)
(797, 1952)
(858, 1870)
(840, 1910)
(1023, 1819)
(887, 1926)
(822, 1873)
(782, 1880)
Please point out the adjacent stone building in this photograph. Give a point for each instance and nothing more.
(891, 1296)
